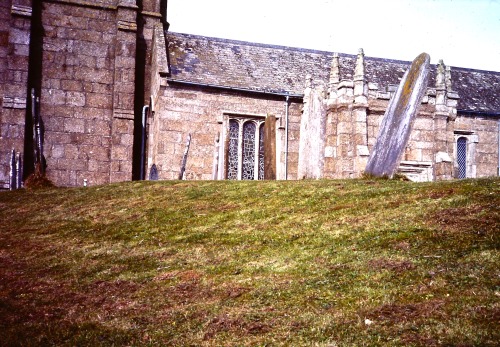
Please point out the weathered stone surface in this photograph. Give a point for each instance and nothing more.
(398, 119)
(312, 133)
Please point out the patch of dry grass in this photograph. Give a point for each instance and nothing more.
(321, 263)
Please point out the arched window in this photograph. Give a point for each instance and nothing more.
(462, 157)
(232, 157)
(245, 151)
(247, 170)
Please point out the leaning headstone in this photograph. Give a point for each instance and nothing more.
(312, 132)
(398, 120)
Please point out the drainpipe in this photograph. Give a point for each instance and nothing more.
(286, 136)
(143, 140)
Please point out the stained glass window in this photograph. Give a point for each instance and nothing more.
(245, 149)
(248, 167)
(462, 157)
(261, 152)
(232, 167)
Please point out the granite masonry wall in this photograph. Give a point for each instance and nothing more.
(331, 132)
(483, 142)
(94, 65)
(91, 89)
(15, 26)
(203, 113)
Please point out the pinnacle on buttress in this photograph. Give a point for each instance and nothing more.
(448, 78)
(359, 71)
(308, 81)
(440, 75)
(334, 70)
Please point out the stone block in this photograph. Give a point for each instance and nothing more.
(121, 152)
(74, 125)
(57, 151)
(15, 62)
(413, 154)
(57, 138)
(54, 123)
(125, 88)
(443, 170)
(59, 176)
(423, 124)
(126, 140)
(57, 71)
(19, 36)
(126, 166)
(21, 50)
(71, 151)
(98, 127)
(75, 99)
(123, 126)
(53, 96)
(98, 100)
(72, 164)
(120, 176)
(105, 26)
(95, 152)
(124, 101)
(96, 75)
(344, 128)
(71, 85)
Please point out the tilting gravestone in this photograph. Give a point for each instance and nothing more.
(398, 120)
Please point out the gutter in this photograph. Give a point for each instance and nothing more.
(236, 89)
(479, 113)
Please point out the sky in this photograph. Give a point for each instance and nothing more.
(464, 33)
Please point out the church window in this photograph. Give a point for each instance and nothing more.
(462, 157)
(465, 154)
(245, 149)
(232, 166)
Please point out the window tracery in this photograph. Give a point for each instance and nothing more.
(232, 167)
(462, 157)
(245, 152)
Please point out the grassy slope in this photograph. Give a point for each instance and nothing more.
(313, 263)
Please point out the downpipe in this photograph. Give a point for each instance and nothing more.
(143, 141)
(287, 99)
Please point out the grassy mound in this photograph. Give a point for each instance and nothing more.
(302, 263)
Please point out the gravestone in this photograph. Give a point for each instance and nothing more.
(153, 173)
(398, 120)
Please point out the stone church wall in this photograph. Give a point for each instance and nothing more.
(200, 112)
(15, 26)
(94, 68)
(482, 133)
(77, 91)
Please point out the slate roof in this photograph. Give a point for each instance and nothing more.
(261, 67)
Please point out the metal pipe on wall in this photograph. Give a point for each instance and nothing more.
(143, 141)
(286, 136)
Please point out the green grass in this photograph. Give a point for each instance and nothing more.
(303, 263)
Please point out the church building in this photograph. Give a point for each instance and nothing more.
(101, 91)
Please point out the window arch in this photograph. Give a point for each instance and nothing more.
(462, 157)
